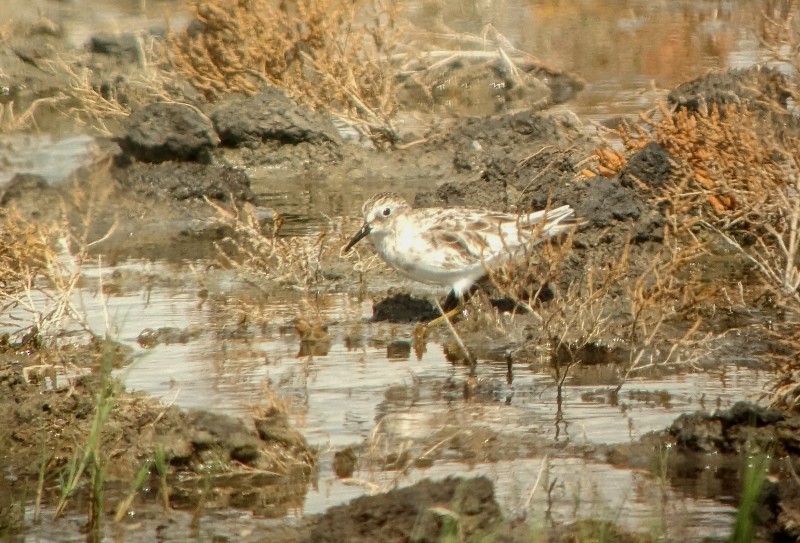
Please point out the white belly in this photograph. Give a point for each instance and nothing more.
(422, 262)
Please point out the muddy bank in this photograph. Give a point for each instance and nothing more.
(460, 508)
(709, 454)
(50, 419)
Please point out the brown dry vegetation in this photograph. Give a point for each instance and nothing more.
(328, 54)
(101, 107)
(68, 420)
(260, 255)
(95, 101)
(350, 60)
(256, 249)
(643, 316)
(41, 264)
(738, 185)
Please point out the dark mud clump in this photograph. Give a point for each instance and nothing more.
(30, 192)
(124, 47)
(503, 161)
(402, 307)
(269, 116)
(744, 429)
(168, 131)
(186, 181)
(757, 87)
(652, 166)
(427, 511)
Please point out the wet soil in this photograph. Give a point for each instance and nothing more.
(167, 161)
(47, 418)
(713, 450)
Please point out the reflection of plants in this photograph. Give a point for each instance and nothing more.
(259, 251)
(42, 263)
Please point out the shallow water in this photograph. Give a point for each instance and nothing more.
(368, 393)
(51, 156)
(338, 397)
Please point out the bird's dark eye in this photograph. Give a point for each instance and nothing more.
(387, 211)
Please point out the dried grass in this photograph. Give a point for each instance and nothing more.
(41, 265)
(349, 59)
(94, 105)
(260, 252)
(738, 179)
(637, 312)
(328, 54)
(257, 251)
(101, 107)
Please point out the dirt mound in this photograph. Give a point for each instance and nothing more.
(740, 430)
(403, 307)
(427, 511)
(185, 181)
(47, 423)
(168, 131)
(269, 116)
(505, 160)
(743, 426)
(758, 87)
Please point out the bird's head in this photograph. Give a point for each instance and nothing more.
(379, 212)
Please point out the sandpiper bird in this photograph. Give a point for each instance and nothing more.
(452, 246)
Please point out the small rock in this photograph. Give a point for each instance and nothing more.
(274, 427)
(124, 47)
(215, 427)
(162, 131)
(651, 165)
(403, 308)
(698, 432)
(269, 116)
(244, 448)
(344, 462)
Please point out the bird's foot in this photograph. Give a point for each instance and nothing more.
(448, 315)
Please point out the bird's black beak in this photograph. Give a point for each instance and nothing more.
(364, 232)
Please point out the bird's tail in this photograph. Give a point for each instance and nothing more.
(551, 222)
